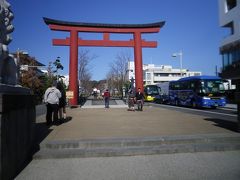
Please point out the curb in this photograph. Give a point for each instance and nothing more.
(138, 146)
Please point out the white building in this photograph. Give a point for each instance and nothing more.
(153, 74)
(229, 19)
(229, 15)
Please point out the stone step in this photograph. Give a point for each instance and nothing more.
(138, 146)
(100, 104)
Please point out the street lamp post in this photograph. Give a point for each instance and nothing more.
(180, 54)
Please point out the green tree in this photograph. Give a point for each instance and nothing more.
(29, 75)
(58, 66)
(32, 79)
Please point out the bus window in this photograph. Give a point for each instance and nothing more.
(212, 86)
(184, 85)
(175, 86)
(193, 86)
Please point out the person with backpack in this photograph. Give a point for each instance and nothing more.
(62, 102)
(51, 98)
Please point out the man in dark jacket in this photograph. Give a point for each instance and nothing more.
(139, 98)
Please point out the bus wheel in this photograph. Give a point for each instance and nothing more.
(194, 105)
(176, 102)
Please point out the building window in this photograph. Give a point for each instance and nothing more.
(225, 60)
(230, 28)
(230, 4)
(231, 57)
(236, 55)
(161, 74)
(148, 76)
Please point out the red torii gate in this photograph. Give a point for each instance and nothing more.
(74, 41)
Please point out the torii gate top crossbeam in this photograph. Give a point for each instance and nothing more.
(105, 28)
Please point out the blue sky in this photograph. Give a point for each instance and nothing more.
(191, 26)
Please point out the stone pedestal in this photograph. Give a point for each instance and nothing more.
(17, 123)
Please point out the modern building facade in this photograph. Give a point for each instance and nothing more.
(153, 74)
(229, 18)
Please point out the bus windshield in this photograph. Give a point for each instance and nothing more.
(151, 90)
(212, 86)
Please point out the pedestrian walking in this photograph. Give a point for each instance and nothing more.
(51, 98)
(139, 99)
(62, 102)
(106, 97)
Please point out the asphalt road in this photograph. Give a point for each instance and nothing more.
(223, 114)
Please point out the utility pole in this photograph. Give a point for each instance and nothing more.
(180, 54)
(216, 70)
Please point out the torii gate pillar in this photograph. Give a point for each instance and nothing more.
(138, 61)
(73, 67)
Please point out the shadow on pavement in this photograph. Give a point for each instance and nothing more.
(69, 118)
(232, 126)
(42, 131)
(60, 122)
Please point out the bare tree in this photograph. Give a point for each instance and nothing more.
(84, 69)
(118, 69)
(111, 80)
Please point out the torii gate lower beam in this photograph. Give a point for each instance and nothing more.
(74, 41)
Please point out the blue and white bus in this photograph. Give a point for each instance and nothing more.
(197, 91)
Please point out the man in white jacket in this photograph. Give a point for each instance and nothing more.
(51, 98)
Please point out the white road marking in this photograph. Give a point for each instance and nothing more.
(198, 110)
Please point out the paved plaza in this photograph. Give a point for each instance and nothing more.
(91, 123)
(96, 123)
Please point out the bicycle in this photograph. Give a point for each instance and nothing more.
(131, 104)
(140, 105)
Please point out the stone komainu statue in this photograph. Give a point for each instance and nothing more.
(8, 64)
